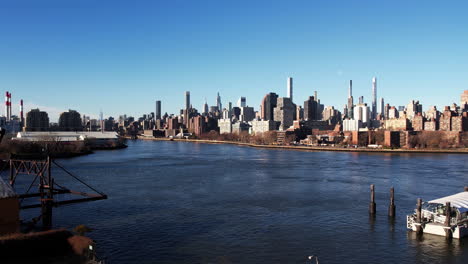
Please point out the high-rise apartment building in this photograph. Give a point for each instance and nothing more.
(284, 112)
(413, 108)
(70, 121)
(247, 114)
(268, 105)
(37, 120)
(242, 102)
(361, 113)
(310, 109)
(386, 109)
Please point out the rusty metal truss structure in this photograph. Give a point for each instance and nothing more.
(46, 187)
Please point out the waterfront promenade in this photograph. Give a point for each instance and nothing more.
(317, 148)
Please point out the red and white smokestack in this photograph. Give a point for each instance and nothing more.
(6, 105)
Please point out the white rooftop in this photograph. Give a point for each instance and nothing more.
(459, 200)
(65, 135)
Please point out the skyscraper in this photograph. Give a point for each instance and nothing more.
(158, 110)
(268, 105)
(290, 88)
(386, 109)
(284, 112)
(241, 102)
(187, 100)
(350, 100)
(218, 102)
(382, 108)
(361, 99)
(374, 98)
(361, 113)
(320, 108)
(310, 109)
(205, 108)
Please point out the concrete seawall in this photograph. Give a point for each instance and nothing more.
(312, 148)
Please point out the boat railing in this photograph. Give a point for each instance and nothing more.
(428, 216)
(410, 219)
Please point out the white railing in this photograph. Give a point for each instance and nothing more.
(410, 221)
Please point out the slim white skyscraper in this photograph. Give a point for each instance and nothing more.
(290, 88)
(374, 98)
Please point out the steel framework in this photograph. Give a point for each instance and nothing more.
(47, 187)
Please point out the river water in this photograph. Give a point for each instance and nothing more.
(178, 202)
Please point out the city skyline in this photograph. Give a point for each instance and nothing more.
(55, 59)
(54, 113)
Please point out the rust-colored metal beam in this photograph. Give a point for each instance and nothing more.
(29, 195)
(73, 201)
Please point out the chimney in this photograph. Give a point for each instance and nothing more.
(6, 105)
(9, 106)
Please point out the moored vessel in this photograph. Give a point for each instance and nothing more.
(446, 216)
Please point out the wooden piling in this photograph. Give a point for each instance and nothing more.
(391, 207)
(419, 216)
(466, 188)
(448, 212)
(372, 206)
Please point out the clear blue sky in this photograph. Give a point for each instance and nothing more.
(121, 56)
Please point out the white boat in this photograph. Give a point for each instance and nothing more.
(434, 216)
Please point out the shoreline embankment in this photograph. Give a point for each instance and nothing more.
(316, 148)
